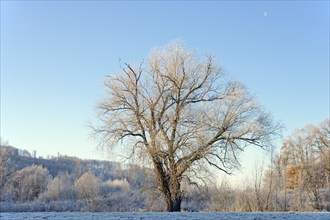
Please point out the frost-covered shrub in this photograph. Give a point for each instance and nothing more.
(119, 184)
(221, 199)
(60, 188)
(88, 186)
(27, 184)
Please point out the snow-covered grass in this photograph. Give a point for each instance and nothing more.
(164, 215)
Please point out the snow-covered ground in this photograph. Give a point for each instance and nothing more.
(163, 215)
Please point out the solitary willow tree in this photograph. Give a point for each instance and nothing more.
(178, 112)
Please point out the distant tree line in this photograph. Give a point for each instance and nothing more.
(297, 179)
(67, 183)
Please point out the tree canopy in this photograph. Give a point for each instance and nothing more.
(179, 112)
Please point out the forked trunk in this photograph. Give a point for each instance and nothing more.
(173, 197)
(170, 186)
(173, 204)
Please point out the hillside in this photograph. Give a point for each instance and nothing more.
(58, 177)
(64, 183)
(17, 159)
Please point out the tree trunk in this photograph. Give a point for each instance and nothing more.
(173, 203)
(173, 196)
(169, 185)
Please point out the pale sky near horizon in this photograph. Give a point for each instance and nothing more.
(56, 54)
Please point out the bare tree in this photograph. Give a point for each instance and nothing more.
(28, 183)
(180, 113)
(257, 177)
(307, 152)
(88, 189)
(5, 169)
(60, 187)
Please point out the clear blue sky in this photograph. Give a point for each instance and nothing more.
(55, 55)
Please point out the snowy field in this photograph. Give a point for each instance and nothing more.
(162, 216)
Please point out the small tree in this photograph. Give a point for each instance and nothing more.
(179, 113)
(60, 187)
(28, 183)
(5, 168)
(307, 152)
(88, 187)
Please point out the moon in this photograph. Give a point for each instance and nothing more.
(265, 14)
